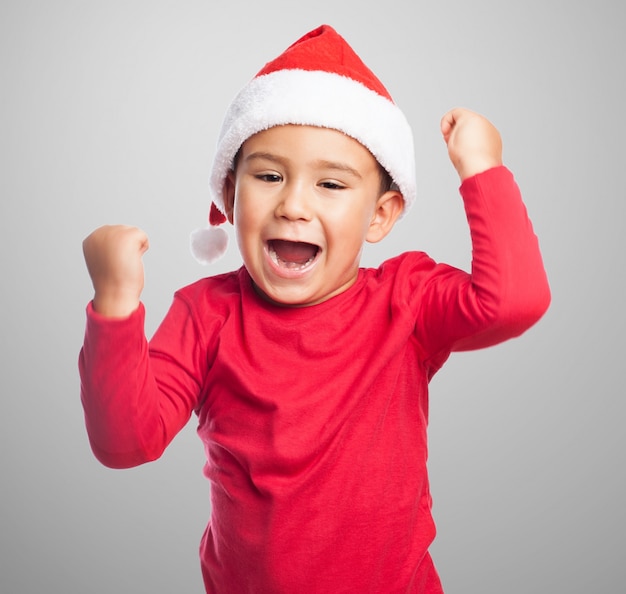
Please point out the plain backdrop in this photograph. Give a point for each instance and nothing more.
(109, 112)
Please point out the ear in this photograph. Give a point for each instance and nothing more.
(389, 207)
(228, 194)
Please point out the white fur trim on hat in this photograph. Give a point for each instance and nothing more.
(318, 98)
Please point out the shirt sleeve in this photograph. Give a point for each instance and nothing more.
(506, 291)
(136, 395)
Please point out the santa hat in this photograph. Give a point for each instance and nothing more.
(317, 81)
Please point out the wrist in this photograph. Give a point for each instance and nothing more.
(467, 168)
(115, 304)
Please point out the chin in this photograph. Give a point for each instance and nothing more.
(289, 298)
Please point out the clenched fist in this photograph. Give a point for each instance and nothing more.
(113, 256)
(474, 144)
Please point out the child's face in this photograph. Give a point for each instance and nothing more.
(303, 201)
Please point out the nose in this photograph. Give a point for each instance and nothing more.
(294, 203)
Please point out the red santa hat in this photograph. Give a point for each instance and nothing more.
(317, 81)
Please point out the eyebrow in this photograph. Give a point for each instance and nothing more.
(338, 166)
(264, 156)
(320, 163)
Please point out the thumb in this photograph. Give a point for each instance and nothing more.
(449, 121)
(144, 243)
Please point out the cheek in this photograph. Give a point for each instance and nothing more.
(357, 221)
(348, 236)
(249, 204)
(248, 223)
(244, 212)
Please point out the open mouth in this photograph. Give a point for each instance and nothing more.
(292, 255)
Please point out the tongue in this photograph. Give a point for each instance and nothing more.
(292, 251)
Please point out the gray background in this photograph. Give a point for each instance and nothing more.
(109, 113)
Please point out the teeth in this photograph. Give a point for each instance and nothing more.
(273, 254)
(286, 264)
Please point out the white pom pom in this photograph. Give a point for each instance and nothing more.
(208, 244)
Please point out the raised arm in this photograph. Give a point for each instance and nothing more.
(134, 400)
(506, 291)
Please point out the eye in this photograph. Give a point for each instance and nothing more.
(332, 185)
(271, 178)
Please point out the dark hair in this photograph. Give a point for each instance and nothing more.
(386, 181)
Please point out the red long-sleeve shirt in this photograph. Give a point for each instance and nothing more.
(314, 419)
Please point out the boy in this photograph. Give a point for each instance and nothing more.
(308, 374)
